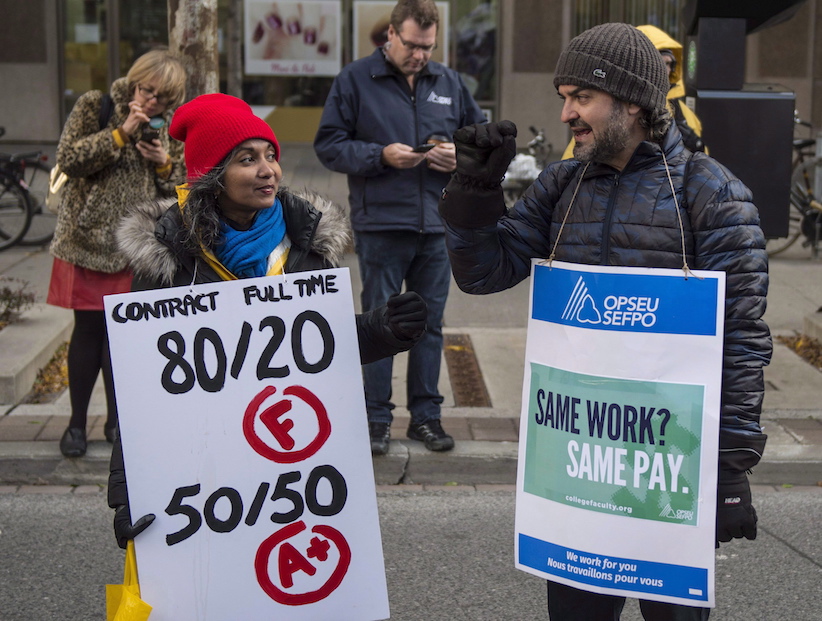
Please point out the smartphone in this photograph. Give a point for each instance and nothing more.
(149, 134)
(424, 148)
(151, 130)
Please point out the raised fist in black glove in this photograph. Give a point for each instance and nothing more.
(124, 529)
(484, 152)
(735, 515)
(406, 315)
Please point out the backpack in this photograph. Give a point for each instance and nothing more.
(57, 178)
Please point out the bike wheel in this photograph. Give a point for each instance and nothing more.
(15, 214)
(802, 180)
(41, 229)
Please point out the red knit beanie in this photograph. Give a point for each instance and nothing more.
(211, 126)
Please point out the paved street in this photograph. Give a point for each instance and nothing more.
(57, 552)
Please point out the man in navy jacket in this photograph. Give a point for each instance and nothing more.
(380, 110)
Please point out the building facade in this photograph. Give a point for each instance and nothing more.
(54, 50)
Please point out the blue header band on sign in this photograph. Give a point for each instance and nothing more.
(617, 573)
(625, 302)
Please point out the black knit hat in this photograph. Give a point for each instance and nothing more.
(617, 59)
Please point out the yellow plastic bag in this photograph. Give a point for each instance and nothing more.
(123, 601)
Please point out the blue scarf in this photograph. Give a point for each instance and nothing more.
(245, 253)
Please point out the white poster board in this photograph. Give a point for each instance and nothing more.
(293, 38)
(616, 480)
(243, 425)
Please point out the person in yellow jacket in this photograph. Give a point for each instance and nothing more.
(686, 120)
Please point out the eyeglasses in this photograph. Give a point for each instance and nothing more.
(413, 47)
(149, 95)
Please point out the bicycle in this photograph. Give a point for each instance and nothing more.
(525, 167)
(24, 219)
(805, 212)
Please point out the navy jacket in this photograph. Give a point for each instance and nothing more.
(629, 218)
(371, 106)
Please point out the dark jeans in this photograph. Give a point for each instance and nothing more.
(421, 261)
(569, 604)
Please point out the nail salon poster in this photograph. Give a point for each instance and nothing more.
(616, 480)
(243, 428)
(371, 21)
(293, 38)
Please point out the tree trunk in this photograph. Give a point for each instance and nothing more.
(234, 59)
(192, 36)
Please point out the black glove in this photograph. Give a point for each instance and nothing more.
(124, 529)
(735, 515)
(484, 152)
(406, 315)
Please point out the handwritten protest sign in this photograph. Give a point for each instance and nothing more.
(616, 488)
(243, 427)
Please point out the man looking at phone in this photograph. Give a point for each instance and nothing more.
(380, 110)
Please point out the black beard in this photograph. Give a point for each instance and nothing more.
(610, 142)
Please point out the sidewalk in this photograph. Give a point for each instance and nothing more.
(485, 341)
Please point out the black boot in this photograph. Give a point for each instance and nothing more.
(432, 434)
(73, 443)
(380, 437)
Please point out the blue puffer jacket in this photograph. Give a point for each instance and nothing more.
(629, 218)
(371, 106)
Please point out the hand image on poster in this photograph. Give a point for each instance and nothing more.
(292, 37)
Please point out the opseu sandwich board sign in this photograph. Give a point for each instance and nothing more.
(243, 428)
(616, 485)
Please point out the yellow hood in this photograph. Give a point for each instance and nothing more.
(663, 41)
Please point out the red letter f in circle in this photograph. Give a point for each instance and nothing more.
(270, 417)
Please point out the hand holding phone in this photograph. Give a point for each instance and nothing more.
(151, 130)
(424, 148)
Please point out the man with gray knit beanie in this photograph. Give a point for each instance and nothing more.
(613, 205)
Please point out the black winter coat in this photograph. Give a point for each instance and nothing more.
(629, 218)
(151, 238)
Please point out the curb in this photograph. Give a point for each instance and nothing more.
(407, 463)
(813, 325)
(27, 345)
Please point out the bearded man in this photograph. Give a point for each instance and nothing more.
(631, 196)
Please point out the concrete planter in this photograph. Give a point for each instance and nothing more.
(27, 345)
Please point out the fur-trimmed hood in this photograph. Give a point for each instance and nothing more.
(149, 235)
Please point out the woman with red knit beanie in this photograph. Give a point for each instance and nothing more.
(233, 220)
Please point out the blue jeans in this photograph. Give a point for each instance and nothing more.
(566, 603)
(421, 261)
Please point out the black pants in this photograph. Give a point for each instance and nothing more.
(88, 355)
(569, 604)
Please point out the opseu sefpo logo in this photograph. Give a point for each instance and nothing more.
(627, 299)
(613, 310)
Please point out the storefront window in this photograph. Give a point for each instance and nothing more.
(472, 28)
(663, 14)
(475, 35)
(468, 26)
(143, 27)
(85, 50)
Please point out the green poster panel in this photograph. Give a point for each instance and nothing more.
(616, 446)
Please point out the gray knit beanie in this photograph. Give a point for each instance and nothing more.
(617, 59)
